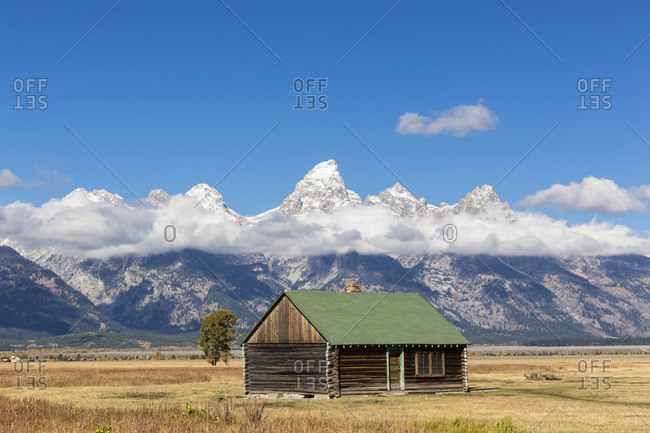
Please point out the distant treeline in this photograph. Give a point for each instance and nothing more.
(630, 341)
(98, 340)
(115, 357)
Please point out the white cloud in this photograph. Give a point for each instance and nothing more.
(50, 178)
(458, 121)
(80, 226)
(8, 180)
(591, 194)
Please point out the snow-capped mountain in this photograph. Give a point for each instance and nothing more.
(482, 202)
(322, 190)
(158, 197)
(401, 202)
(80, 197)
(211, 200)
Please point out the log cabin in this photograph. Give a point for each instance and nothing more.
(329, 344)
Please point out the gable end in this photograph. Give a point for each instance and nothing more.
(284, 323)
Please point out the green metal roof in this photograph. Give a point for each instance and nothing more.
(374, 318)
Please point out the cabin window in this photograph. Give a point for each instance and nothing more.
(429, 364)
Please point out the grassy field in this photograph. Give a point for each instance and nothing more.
(148, 396)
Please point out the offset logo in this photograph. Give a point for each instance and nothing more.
(309, 93)
(594, 374)
(30, 375)
(29, 93)
(310, 374)
(593, 93)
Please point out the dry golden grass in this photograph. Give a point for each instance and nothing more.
(125, 373)
(138, 396)
(34, 415)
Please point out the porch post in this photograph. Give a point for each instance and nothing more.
(401, 369)
(387, 369)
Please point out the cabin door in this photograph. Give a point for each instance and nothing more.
(393, 368)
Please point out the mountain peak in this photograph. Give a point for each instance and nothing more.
(399, 201)
(483, 200)
(324, 170)
(210, 199)
(322, 190)
(399, 189)
(158, 196)
(484, 191)
(95, 196)
(201, 189)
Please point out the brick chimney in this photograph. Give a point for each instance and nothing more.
(352, 288)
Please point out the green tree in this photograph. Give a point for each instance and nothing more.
(217, 334)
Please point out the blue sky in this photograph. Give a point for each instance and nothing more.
(171, 94)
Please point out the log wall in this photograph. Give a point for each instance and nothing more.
(453, 380)
(362, 370)
(286, 368)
